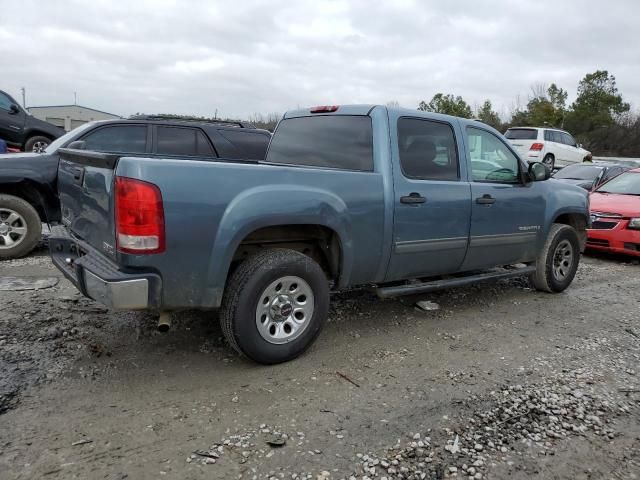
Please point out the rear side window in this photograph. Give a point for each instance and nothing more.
(188, 142)
(333, 141)
(521, 134)
(118, 139)
(427, 149)
(252, 145)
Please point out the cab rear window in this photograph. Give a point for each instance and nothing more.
(329, 141)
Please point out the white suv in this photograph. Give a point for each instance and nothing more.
(546, 145)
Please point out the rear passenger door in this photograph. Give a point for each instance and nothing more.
(178, 141)
(506, 214)
(431, 200)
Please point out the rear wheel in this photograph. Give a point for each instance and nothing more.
(557, 263)
(37, 144)
(275, 305)
(549, 160)
(20, 227)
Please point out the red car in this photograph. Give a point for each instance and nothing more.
(615, 215)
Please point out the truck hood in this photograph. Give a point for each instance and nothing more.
(625, 205)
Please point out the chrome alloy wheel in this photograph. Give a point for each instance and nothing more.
(562, 260)
(284, 310)
(13, 228)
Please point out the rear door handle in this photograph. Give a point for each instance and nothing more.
(486, 199)
(413, 198)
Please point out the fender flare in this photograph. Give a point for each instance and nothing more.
(262, 207)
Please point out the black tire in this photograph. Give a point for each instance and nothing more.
(549, 160)
(552, 260)
(245, 289)
(29, 219)
(36, 144)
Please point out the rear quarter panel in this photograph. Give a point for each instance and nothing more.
(211, 206)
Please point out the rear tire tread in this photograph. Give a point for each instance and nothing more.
(542, 278)
(236, 285)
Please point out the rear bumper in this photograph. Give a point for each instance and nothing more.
(99, 278)
(616, 240)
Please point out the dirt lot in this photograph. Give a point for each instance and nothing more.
(499, 382)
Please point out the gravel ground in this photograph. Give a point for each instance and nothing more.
(493, 381)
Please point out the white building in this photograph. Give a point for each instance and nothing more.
(69, 116)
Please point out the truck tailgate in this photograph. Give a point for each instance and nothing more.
(85, 183)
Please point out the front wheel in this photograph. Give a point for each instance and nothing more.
(275, 305)
(36, 144)
(557, 263)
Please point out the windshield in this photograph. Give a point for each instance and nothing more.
(579, 172)
(521, 134)
(67, 137)
(625, 184)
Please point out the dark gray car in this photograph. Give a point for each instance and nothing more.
(589, 175)
(28, 181)
(22, 130)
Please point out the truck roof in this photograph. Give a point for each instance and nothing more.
(365, 109)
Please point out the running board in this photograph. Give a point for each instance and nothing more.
(414, 288)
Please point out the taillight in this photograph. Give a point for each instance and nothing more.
(537, 147)
(139, 217)
(324, 109)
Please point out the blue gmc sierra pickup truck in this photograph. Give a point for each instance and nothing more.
(399, 200)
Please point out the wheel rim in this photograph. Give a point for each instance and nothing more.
(548, 160)
(284, 310)
(39, 146)
(562, 260)
(13, 228)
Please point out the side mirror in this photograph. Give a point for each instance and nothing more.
(579, 145)
(539, 172)
(78, 145)
(13, 109)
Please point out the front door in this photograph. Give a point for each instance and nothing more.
(11, 123)
(507, 215)
(574, 155)
(431, 201)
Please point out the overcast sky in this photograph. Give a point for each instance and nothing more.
(241, 57)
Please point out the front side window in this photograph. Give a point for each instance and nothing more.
(329, 141)
(427, 149)
(568, 140)
(5, 102)
(118, 139)
(491, 160)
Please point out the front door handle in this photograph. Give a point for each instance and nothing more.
(413, 198)
(486, 199)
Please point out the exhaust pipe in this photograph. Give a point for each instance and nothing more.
(164, 322)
